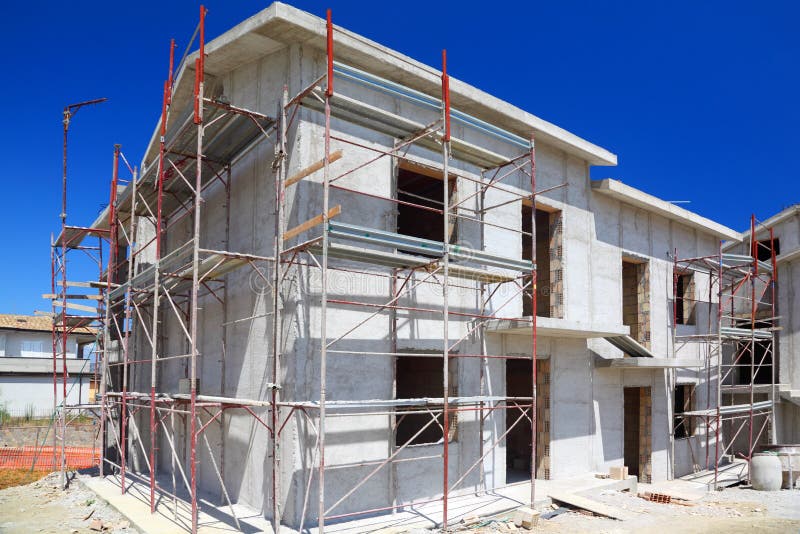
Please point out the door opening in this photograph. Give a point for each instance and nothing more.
(637, 430)
(518, 441)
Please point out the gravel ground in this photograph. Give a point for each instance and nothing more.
(43, 507)
(734, 510)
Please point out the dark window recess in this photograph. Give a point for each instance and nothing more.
(684, 299)
(421, 377)
(759, 367)
(764, 253)
(636, 300)
(684, 399)
(548, 249)
(424, 219)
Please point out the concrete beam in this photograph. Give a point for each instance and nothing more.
(640, 199)
(551, 327)
(651, 363)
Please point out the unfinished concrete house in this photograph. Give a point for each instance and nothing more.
(354, 286)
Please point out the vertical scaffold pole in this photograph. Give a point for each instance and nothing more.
(276, 331)
(54, 340)
(773, 345)
(110, 279)
(718, 416)
(445, 283)
(55, 345)
(753, 276)
(128, 320)
(123, 413)
(671, 372)
(534, 290)
(198, 120)
(324, 280)
(166, 99)
(64, 335)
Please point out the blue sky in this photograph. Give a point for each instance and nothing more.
(698, 99)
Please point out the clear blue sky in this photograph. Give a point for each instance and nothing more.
(698, 99)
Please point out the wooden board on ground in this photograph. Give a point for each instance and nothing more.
(593, 506)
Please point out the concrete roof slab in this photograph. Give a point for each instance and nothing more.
(640, 199)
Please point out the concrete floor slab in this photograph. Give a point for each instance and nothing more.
(216, 519)
(171, 516)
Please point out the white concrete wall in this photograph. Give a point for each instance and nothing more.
(13, 343)
(19, 393)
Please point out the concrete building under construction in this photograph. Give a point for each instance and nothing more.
(343, 284)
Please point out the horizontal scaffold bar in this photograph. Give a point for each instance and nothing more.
(400, 403)
(417, 97)
(423, 246)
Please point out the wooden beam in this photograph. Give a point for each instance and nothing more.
(293, 179)
(311, 223)
(94, 284)
(53, 296)
(70, 305)
(599, 508)
(78, 284)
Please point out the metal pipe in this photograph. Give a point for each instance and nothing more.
(165, 105)
(774, 347)
(534, 282)
(195, 269)
(445, 299)
(281, 149)
(324, 281)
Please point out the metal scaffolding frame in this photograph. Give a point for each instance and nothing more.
(740, 338)
(148, 283)
(69, 311)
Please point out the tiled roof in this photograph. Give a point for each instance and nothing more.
(34, 323)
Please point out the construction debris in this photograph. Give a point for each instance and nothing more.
(553, 513)
(592, 506)
(618, 472)
(526, 517)
(656, 497)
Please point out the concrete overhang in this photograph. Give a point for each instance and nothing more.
(36, 366)
(280, 25)
(786, 258)
(640, 199)
(645, 363)
(551, 327)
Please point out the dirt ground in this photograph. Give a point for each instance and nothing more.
(43, 507)
(734, 510)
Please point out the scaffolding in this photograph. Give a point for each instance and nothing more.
(155, 278)
(76, 308)
(739, 349)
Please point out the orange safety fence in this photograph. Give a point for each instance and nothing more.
(23, 458)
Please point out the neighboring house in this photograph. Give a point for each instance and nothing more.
(786, 243)
(608, 375)
(26, 365)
